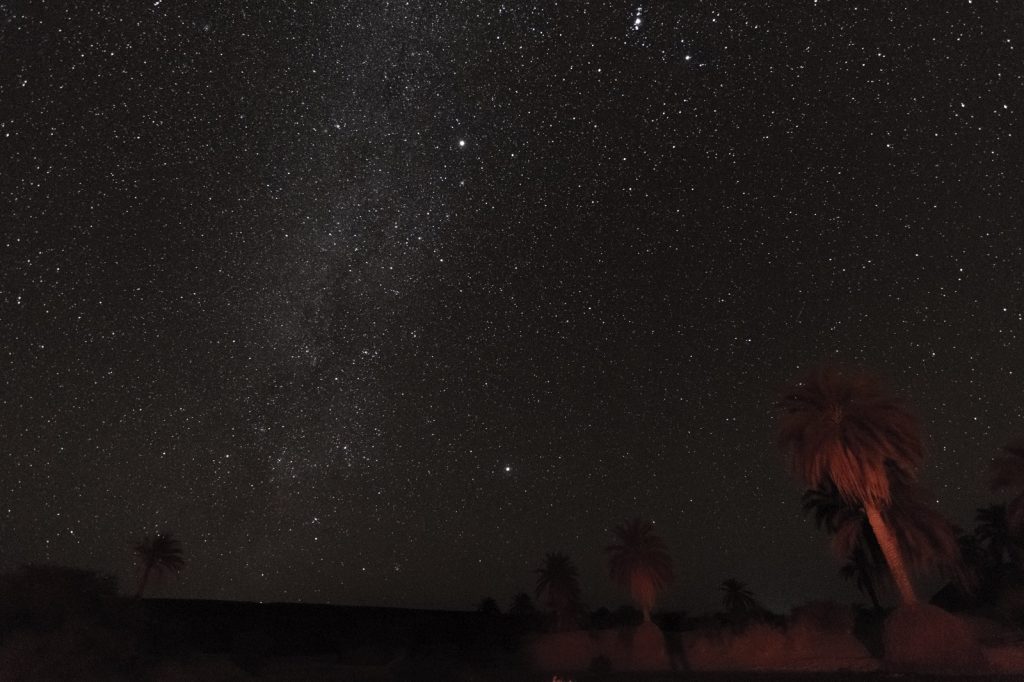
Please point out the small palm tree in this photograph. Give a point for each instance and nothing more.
(1008, 474)
(522, 605)
(640, 563)
(994, 534)
(737, 599)
(862, 569)
(845, 428)
(852, 537)
(489, 607)
(558, 580)
(159, 553)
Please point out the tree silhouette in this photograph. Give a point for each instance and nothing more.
(994, 535)
(1007, 473)
(640, 563)
(489, 607)
(852, 537)
(737, 599)
(925, 538)
(522, 605)
(862, 569)
(558, 581)
(159, 553)
(845, 428)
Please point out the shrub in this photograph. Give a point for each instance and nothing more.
(924, 638)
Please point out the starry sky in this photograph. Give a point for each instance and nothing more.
(378, 302)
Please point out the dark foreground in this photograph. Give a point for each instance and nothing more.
(211, 641)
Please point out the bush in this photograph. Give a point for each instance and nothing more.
(64, 623)
(924, 638)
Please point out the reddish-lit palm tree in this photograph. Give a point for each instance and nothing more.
(844, 427)
(640, 563)
(159, 553)
(559, 581)
(926, 539)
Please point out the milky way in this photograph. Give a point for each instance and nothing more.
(376, 303)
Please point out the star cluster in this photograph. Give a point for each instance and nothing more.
(379, 302)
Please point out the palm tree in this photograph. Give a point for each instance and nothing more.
(1008, 474)
(737, 599)
(489, 607)
(558, 579)
(993, 532)
(925, 538)
(640, 562)
(159, 553)
(851, 537)
(845, 428)
(861, 569)
(522, 605)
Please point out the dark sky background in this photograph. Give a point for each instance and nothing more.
(378, 302)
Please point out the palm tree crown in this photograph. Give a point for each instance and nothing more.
(737, 599)
(160, 553)
(843, 428)
(639, 562)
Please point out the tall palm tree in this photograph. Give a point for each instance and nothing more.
(737, 599)
(927, 541)
(559, 581)
(159, 553)
(844, 427)
(640, 563)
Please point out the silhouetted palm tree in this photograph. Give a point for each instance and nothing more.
(522, 605)
(862, 571)
(737, 599)
(640, 563)
(993, 532)
(845, 428)
(558, 579)
(1008, 474)
(159, 553)
(489, 607)
(982, 573)
(851, 537)
(831, 512)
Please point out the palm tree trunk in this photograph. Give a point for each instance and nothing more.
(893, 557)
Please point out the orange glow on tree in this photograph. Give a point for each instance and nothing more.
(844, 428)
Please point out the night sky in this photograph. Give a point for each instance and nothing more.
(378, 302)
